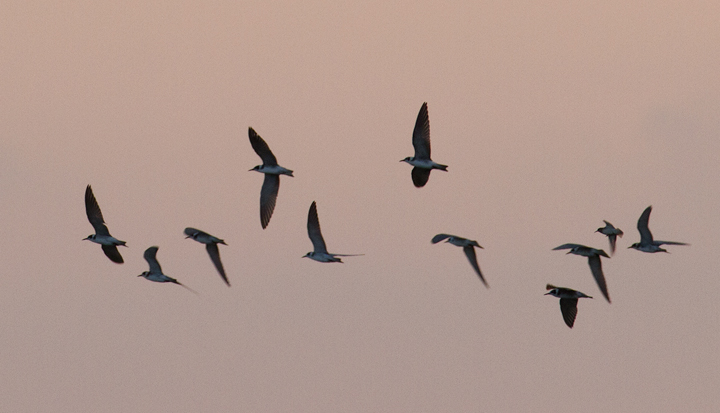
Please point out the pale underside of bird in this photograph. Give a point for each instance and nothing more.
(155, 273)
(421, 142)
(647, 243)
(211, 243)
(468, 247)
(568, 302)
(320, 252)
(612, 233)
(102, 235)
(272, 171)
(593, 261)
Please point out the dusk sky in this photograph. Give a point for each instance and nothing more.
(552, 116)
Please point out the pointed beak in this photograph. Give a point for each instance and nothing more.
(546, 294)
(187, 237)
(251, 169)
(568, 252)
(140, 275)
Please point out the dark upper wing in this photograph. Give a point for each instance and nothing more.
(214, 253)
(597, 272)
(642, 226)
(268, 196)
(189, 231)
(568, 246)
(669, 243)
(470, 253)
(439, 237)
(149, 256)
(613, 240)
(92, 209)
(421, 134)
(112, 252)
(313, 226)
(420, 176)
(568, 307)
(261, 148)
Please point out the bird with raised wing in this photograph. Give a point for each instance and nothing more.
(272, 171)
(593, 255)
(155, 273)
(320, 252)
(102, 235)
(568, 302)
(647, 243)
(612, 233)
(422, 163)
(211, 243)
(468, 247)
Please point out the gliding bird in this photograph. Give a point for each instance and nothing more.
(102, 235)
(211, 247)
(320, 252)
(647, 244)
(155, 273)
(272, 171)
(468, 247)
(568, 302)
(593, 260)
(612, 234)
(422, 163)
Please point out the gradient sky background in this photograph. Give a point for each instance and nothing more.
(552, 116)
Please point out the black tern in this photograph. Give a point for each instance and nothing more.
(593, 260)
(272, 171)
(102, 235)
(421, 142)
(647, 244)
(155, 273)
(211, 247)
(320, 252)
(568, 302)
(468, 246)
(612, 234)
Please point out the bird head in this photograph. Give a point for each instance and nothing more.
(635, 245)
(308, 255)
(256, 168)
(89, 237)
(406, 159)
(144, 274)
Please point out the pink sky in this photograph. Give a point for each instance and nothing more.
(552, 116)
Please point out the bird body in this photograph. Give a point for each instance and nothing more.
(320, 252)
(155, 273)
(612, 233)
(468, 247)
(647, 243)
(272, 171)
(594, 262)
(568, 302)
(102, 234)
(211, 247)
(421, 143)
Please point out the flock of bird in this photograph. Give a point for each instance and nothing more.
(422, 166)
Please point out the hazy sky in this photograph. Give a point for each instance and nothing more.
(552, 116)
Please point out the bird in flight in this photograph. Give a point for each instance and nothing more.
(612, 234)
(647, 244)
(211, 247)
(568, 302)
(272, 171)
(155, 273)
(422, 163)
(593, 260)
(102, 235)
(468, 247)
(320, 252)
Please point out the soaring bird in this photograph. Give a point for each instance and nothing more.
(612, 234)
(155, 273)
(647, 244)
(102, 235)
(593, 260)
(568, 302)
(421, 142)
(468, 247)
(272, 171)
(211, 247)
(320, 252)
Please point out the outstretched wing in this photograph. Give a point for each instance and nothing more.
(470, 254)
(420, 176)
(214, 254)
(439, 237)
(642, 226)
(597, 272)
(421, 134)
(149, 256)
(92, 209)
(313, 227)
(112, 252)
(268, 197)
(568, 307)
(261, 148)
